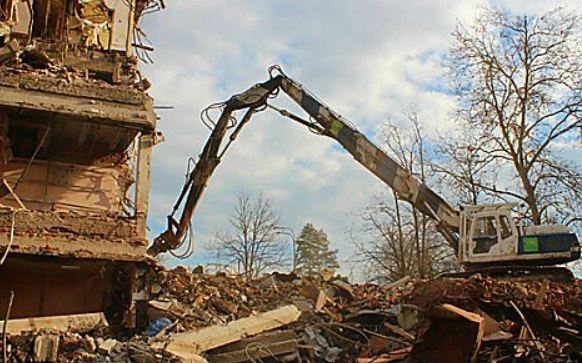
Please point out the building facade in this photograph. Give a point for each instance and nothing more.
(76, 135)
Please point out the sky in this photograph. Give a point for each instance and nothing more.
(370, 60)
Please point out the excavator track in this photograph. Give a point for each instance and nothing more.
(517, 273)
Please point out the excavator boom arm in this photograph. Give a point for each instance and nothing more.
(406, 186)
(374, 159)
(211, 156)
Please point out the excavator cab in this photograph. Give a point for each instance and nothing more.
(490, 236)
(488, 233)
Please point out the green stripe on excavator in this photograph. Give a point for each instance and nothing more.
(530, 244)
(336, 127)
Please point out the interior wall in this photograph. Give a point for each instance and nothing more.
(65, 187)
(46, 287)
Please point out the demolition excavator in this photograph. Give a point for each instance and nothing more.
(487, 238)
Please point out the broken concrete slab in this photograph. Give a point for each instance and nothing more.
(189, 345)
(78, 322)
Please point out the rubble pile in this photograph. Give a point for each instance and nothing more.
(200, 300)
(220, 318)
(468, 292)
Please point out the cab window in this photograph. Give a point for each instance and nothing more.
(505, 227)
(485, 234)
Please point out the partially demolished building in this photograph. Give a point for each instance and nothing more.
(76, 136)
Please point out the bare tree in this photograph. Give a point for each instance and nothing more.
(519, 83)
(387, 244)
(252, 245)
(399, 239)
(462, 169)
(387, 252)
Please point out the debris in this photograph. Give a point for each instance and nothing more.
(527, 328)
(493, 330)
(408, 316)
(217, 318)
(46, 348)
(321, 300)
(36, 59)
(89, 344)
(270, 282)
(157, 326)
(454, 336)
(397, 283)
(399, 331)
(394, 356)
(261, 346)
(344, 288)
(63, 323)
(191, 344)
(107, 346)
(9, 52)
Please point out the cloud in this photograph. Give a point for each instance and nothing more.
(368, 59)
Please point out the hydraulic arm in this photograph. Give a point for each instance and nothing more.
(326, 122)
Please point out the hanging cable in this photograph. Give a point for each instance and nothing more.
(5, 254)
